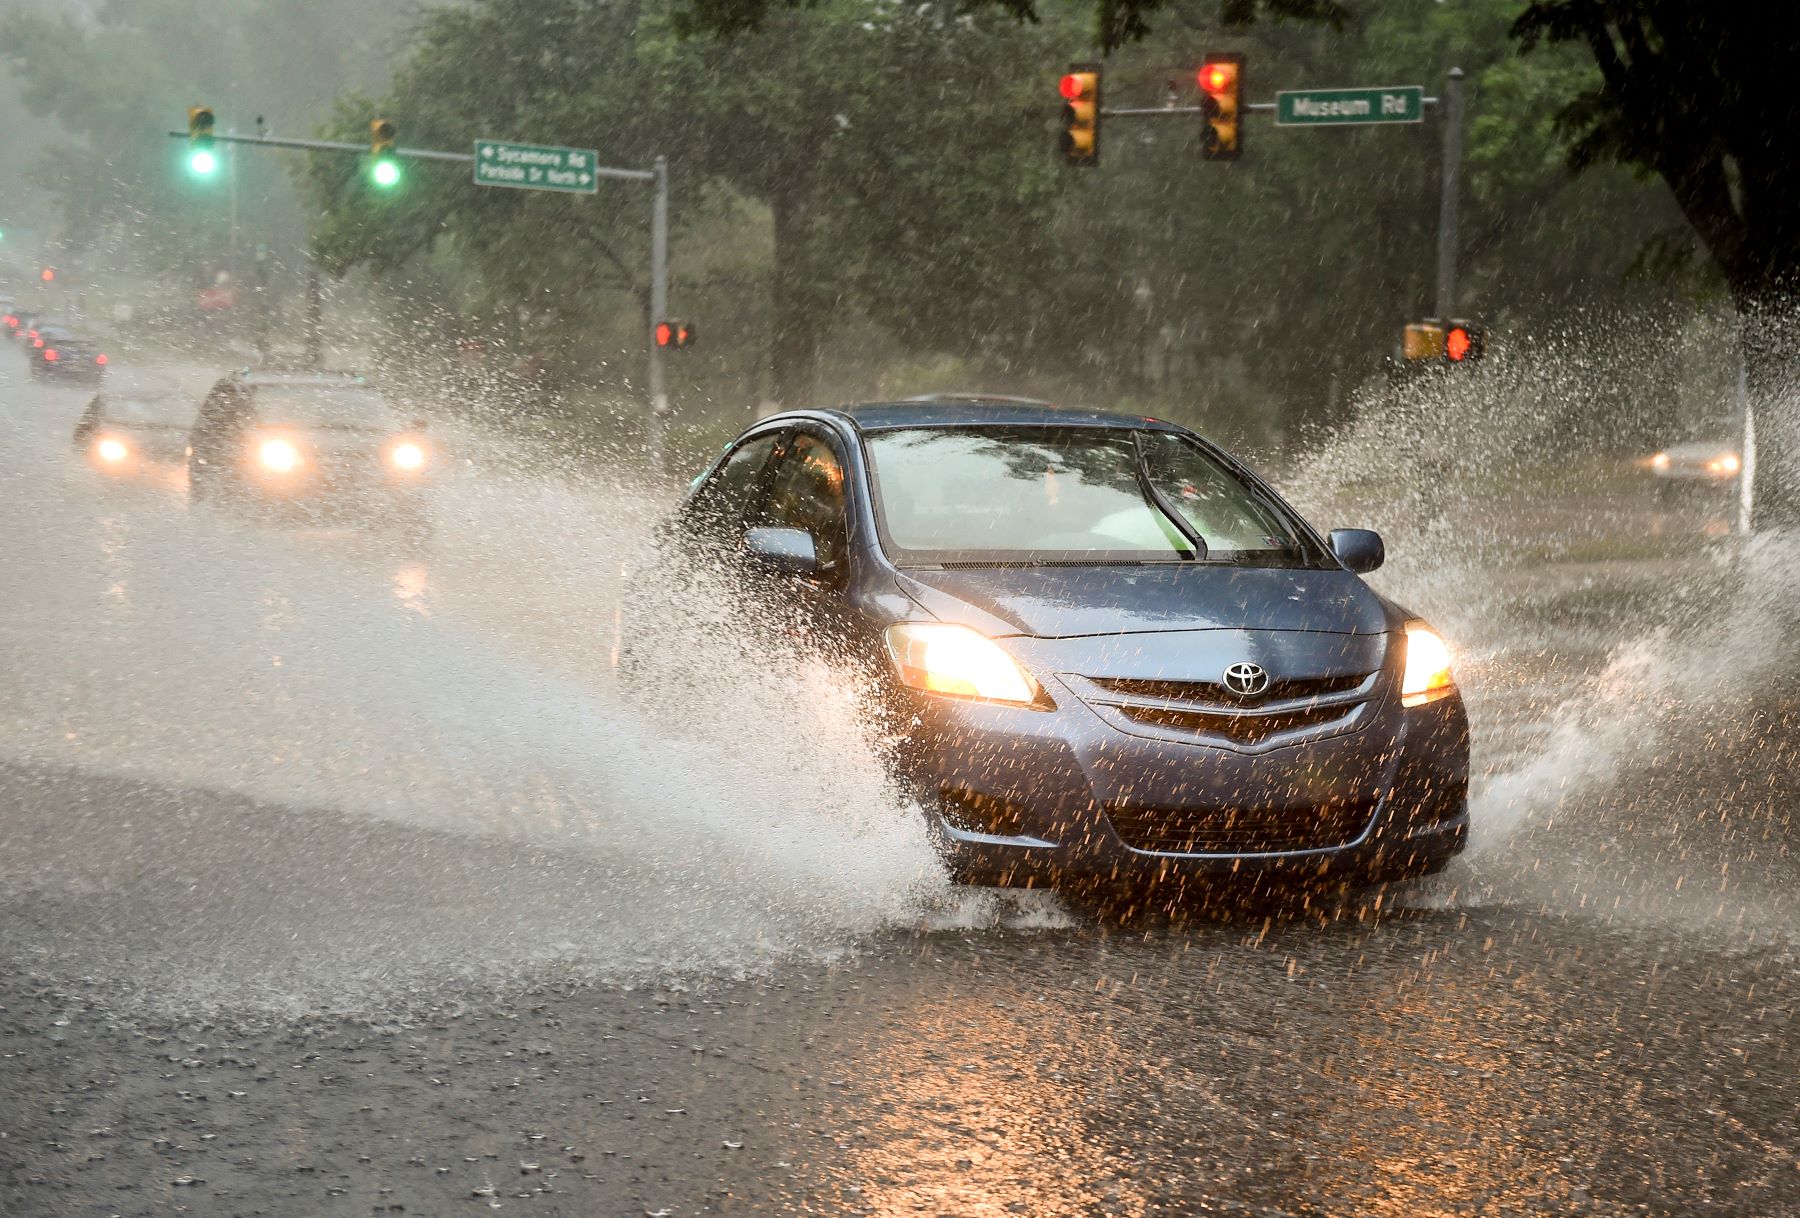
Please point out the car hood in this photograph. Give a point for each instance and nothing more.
(1066, 602)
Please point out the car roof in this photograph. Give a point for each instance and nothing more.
(979, 410)
(255, 380)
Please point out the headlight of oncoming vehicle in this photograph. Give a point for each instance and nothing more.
(941, 658)
(278, 456)
(1428, 675)
(407, 455)
(111, 450)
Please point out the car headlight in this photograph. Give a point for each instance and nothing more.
(1725, 465)
(1428, 675)
(941, 658)
(278, 456)
(1660, 461)
(407, 455)
(111, 450)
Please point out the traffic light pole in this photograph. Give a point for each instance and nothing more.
(659, 308)
(658, 177)
(1453, 141)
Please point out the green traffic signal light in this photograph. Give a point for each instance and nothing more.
(203, 162)
(386, 172)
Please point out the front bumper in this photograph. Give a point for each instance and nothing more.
(326, 493)
(1027, 797)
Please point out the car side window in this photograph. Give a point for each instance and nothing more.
(807, 492)
(720, 504)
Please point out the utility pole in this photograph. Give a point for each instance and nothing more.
(659, 308)
(234, 199)
(315, 308)
(1453, 139)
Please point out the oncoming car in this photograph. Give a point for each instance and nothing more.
(320, 443)
(126, 428)
(1114, 654)
(1700, 467)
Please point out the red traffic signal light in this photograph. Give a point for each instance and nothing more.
(48, 275)
(677, 334)
(1464, 343)
(1080, 91)
(1221, 80)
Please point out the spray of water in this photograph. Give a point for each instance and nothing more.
(459, 698)
(1623, 707)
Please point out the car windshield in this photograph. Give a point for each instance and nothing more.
(346, 406)
(155, 410)
(1071, 494)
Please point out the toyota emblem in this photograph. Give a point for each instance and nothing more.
(1246, 679)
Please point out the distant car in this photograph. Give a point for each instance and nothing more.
(26, 326)
(127, 428)
(1700, 461)
(1113, 656)
(321, 443)
(9, 316)
(59, 352)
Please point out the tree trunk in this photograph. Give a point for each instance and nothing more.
(800, 307)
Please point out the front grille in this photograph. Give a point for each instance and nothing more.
(1292, 709)
(1280, 689)
(1240, 830)
(1239, 729)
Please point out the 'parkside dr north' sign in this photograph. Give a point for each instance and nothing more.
(535, 166)
(1342, 107)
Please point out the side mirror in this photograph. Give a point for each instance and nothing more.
(1360, 550)
(784, 551)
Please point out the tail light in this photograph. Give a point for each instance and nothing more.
(50, 356)
(36, 341)
(29, 333)
(100, 359)
(10, 320)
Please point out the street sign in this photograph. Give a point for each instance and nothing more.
(1343, 107)
(536, 167)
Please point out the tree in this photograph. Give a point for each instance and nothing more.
(119, 78)
(1697, 92)
(853, 125)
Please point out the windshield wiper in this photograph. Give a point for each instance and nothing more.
(1142, 465)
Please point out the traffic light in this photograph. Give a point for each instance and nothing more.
(1222, 106)
(48, 274)
(677, 334)
(1080, 90)
(1453, 343)
(1464, 343)
(384, 166)
(203, 162)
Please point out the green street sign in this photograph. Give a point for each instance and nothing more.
(1344, 107)
(536, 167)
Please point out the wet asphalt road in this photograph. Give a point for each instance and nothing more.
(274, 942)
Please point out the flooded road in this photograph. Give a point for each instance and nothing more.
(339, 876)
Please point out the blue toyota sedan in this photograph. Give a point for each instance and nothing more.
(1114, 654)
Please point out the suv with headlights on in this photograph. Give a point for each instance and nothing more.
(319, 444)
